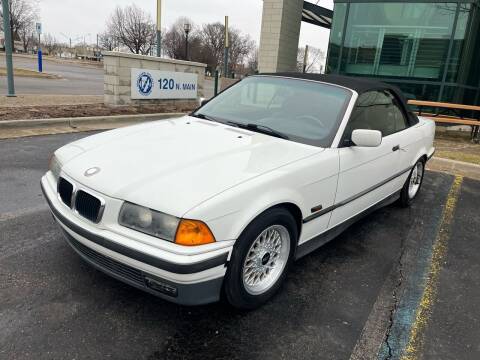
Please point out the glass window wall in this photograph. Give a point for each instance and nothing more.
(398, 39)
(430, 50)
(336, 36)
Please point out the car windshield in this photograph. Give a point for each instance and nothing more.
(308, 112)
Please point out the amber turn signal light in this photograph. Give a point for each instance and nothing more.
(192, 233)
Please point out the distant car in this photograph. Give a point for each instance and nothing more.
(223, 200)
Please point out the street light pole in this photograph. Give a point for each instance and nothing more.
(159, 28)
(187, 27)
(225, 60)
(8, 48)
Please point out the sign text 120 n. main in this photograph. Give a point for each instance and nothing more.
(169, 84)
(156, 84)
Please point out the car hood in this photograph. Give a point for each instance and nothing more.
(174, 165)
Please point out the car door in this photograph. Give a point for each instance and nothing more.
(410, 139)
(368, 174)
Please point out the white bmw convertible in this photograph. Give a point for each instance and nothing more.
(223, 200)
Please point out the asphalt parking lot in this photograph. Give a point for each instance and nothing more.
(358, 297)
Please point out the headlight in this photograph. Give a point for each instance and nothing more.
(54, 166)
(148, 221)
(167, 227)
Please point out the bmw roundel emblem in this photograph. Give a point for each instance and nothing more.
(145, 83)
(92, 171)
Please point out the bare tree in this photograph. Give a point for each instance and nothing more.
(173, 40)
(25, 34)
(23, 14)
(133, 28)
(252, 62)
(315, 60)
(50, 44)
(107, 41)
(171, 43)
(213, 43)
(240, 47)
(213, 36)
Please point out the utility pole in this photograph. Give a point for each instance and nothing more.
(305, 59)
(225, 59)
(159, 28)
(186, 27)
(8, 47)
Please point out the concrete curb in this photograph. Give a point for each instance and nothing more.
(454, 167)
(457, 162)
(85, 121)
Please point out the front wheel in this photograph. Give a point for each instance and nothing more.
(413, 184)
(260, 259)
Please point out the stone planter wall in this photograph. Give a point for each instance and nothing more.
(117, 80)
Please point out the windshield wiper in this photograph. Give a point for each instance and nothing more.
(205, 117)
(259, 128)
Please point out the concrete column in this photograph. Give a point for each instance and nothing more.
(281, 23)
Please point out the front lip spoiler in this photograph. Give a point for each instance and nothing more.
(137, 255)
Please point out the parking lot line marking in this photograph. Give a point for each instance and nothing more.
(424, 309)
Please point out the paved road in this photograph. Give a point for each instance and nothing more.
(76, 79)
(53, 305)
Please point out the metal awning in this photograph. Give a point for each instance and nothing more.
(317, 15)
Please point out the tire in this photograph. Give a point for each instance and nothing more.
(261, 279)
(412, 187)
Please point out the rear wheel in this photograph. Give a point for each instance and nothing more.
(413, 184)
(260, 259)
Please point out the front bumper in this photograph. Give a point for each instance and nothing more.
(187, 283)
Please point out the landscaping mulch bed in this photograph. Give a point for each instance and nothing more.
(83, 110)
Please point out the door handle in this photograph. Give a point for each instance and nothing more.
(396, 148)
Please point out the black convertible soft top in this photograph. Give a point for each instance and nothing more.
(358, 84)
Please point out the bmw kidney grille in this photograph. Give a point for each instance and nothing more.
(85, 204)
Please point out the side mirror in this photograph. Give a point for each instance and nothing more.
(366, 138)
(202, 101)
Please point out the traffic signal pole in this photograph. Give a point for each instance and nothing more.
(8, 48)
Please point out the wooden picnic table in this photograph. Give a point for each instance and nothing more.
(447, 119)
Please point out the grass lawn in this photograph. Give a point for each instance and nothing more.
(456, 145)
(29, 73)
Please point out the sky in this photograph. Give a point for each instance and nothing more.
(78, 19)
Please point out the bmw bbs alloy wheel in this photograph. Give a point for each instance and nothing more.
(415, 179)
(266, 259)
